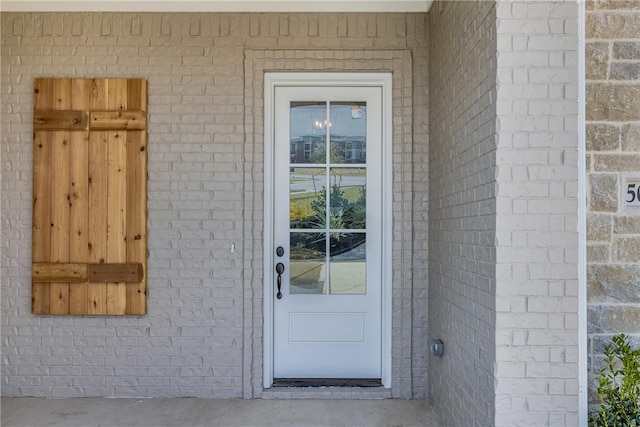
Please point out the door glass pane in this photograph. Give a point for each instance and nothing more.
(348, 132)
(345, 221)
(307, 263)
(307, 202)
(308, 132)
(348, 203)
(347, 263)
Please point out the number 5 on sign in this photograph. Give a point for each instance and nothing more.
(631, 194)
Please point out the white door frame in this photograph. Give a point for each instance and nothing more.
(383, 80)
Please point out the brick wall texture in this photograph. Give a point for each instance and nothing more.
(202, 336)
(537, 214)
(503, 240)
(462, 76)
(490, 200)
(613, 152)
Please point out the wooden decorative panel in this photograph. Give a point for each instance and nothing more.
(89, 197)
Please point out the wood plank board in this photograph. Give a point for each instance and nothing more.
(137, 94)
(116, 216)
(117, 195)
(61, 94)
(41, 248)
(44, 272)
(137, 198)
(41, 228)
(78, 245)
(80, 93)
(59, 272)
(117, 98)
(115, 272)
(112, 120)
(60, 120)
(97, 245)
(98, 95)
(79, 216)
(43, 94)
(137, 218)
(60, 210)
(60, 197)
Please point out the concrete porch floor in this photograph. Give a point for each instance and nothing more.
(190, 412)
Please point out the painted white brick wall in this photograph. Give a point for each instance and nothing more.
(536, 218)
(462, 205)
(503, 212)
(503, 282)
(204, 305)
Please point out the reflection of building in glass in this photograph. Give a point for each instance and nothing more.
(303, 146)
(354, 148)
(345, 149)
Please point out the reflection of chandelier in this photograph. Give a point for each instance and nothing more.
(318, 124)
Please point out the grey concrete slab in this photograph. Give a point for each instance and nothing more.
(189, 412)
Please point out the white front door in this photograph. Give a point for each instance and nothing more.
(328, 207)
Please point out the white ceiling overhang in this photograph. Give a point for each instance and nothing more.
(215, 5)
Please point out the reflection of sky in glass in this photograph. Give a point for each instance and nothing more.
(303, 119)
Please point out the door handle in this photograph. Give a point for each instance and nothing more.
(279, 270)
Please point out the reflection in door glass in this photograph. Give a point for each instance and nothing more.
(307, 202)
(348, 203)
(348, 132)
(347, 263)
(308, 132)
(327, 201)
(307, 263)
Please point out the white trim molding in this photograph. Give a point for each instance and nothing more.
(215, 5)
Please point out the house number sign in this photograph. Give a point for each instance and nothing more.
(631, 194)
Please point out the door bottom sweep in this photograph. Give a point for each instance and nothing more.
(327, 382)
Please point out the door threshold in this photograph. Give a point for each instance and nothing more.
(326, 382)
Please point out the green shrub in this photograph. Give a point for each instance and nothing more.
(619, 386)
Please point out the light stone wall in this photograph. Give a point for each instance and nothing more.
(202, 336)
(613, 151)
(462, 208)
(537, 214)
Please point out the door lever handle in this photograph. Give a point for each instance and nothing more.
(279, 270)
